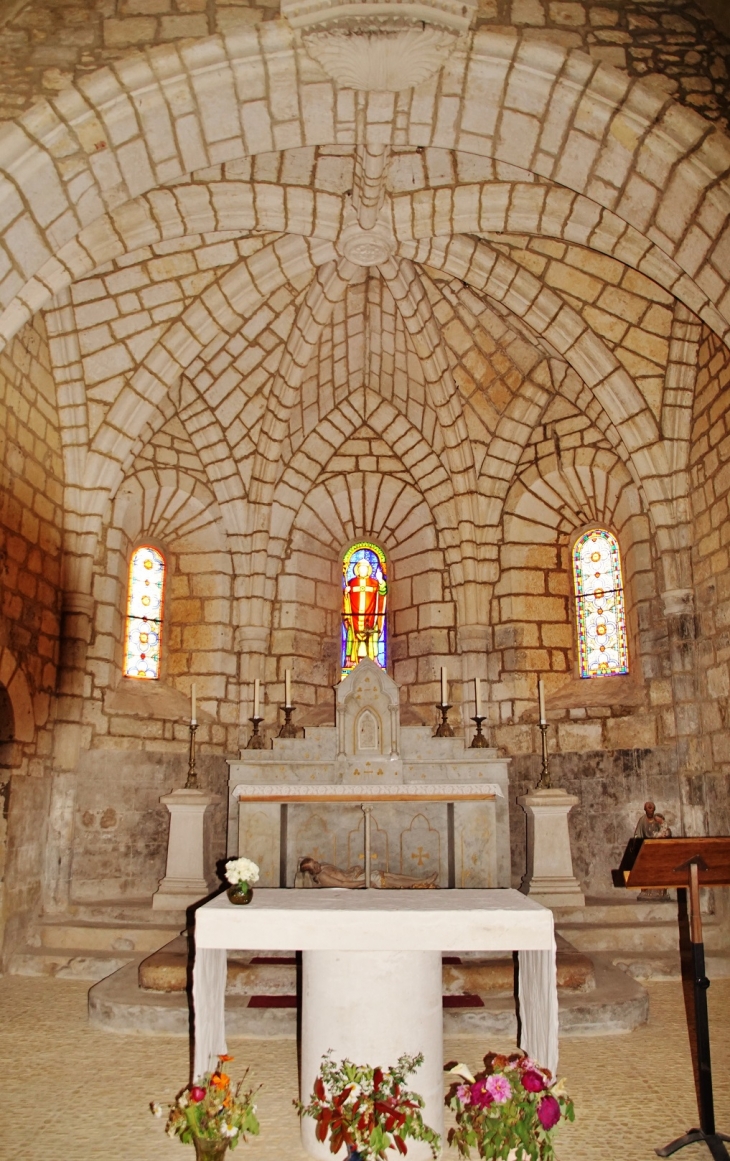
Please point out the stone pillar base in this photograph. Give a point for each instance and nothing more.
(550, 879)
(184, 882)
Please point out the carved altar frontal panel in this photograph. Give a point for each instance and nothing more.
(475, 846)
(258, 838)
(405, 838)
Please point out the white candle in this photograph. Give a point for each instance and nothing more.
(287, 688)
(444, 686)
(478, 696)
(541, 702)
(256, 697)
(193, 719)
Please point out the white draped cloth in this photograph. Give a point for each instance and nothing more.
(335, 919)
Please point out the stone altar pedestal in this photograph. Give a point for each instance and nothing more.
(184, 882)
(550, 879)
(374, 1005)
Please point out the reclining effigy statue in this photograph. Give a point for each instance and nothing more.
(327, 875)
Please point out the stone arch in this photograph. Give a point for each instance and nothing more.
(17, 689)
(549, 503)
(178, 514)
(635, 152)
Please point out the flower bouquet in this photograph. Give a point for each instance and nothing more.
(211, 1114)
(509, 1110)
(241, 874)
(367, 1109)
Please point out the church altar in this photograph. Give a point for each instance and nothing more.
(439, 804)
(371, 975)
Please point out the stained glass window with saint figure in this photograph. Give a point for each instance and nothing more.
(364, 598)
(599, 595)
(144, 613)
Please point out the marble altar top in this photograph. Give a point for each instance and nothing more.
(366, 792)
(465, 920)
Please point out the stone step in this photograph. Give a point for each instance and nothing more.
(66, 963)
(101, 936)
(647, 936)
(617, 1003)
(667, 966)
(275, 974)
(137, 911)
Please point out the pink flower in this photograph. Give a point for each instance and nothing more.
(464, 1094)
(549, 1112)
(481, 1097)
(532, 1081)
(197, 1093)
(499, 1087)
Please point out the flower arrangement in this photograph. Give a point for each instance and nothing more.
(242, 873)
(211, 1111)
(368, 1109)
(508, 1110)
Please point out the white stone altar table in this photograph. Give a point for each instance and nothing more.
(371, 975)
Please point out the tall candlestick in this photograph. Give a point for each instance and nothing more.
(478, 696)
(287, 688)
(193, 719)
(256, 697)
(541, 702)
(444, 686)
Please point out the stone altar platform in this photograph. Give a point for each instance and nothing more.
(440, 805)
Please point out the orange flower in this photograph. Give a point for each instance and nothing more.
(224, 1057)
(227, 1102)
(220, 1080)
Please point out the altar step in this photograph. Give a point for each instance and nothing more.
(594, 996)
(633, 929)
(93, 940)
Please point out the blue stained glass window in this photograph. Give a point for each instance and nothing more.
(599, 594)
(145, 597)
(364, 599)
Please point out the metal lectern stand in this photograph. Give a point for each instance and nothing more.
(691, 863)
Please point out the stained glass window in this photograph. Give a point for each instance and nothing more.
(599, 598)
(364, 597)
(144, 613)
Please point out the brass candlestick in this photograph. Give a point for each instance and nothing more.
(479, 741)
(544, 783)
(256, 741)
(192, 780)
(444, 730)
(288, 730)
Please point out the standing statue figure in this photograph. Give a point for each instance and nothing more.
(364, 613)
(652, 825)
(327, 875)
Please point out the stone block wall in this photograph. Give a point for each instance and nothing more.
(710, 475)
(31, 500)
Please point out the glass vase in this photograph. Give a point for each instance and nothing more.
(240, 893)
(209, 1150)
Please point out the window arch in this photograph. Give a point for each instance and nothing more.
(145, 596)
(364, 599)
(599, 596)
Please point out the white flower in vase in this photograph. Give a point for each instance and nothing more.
(242, 871)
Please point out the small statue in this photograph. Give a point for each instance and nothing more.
(647, 826)
(652, 825)
(327, 875)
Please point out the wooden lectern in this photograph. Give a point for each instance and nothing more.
(691, 863)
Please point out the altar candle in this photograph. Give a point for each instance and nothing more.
(541, 702)
(287, 688)
(444, 686)
(256, 697)
(193, 720)
(478, 696)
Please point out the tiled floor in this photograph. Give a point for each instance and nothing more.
(72, 1093)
